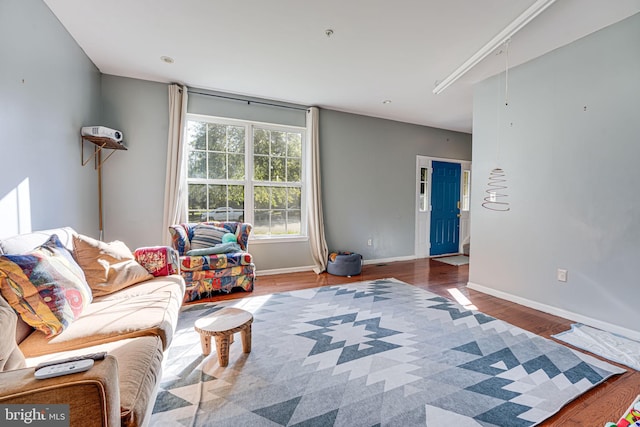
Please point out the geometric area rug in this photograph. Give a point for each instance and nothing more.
(377, 353)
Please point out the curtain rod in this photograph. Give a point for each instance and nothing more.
(248, 101)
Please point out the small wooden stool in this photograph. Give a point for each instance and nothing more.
(223, 324)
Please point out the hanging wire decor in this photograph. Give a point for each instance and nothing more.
(497, 186)
(496, 191)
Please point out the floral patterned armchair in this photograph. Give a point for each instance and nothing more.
(206, 275)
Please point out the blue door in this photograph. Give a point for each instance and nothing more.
(445, 208)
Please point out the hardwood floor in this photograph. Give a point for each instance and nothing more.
(606, 402)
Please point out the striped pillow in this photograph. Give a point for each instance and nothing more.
(206, 236)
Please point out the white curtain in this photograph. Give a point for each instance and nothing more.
(175, 208)
(315, 220)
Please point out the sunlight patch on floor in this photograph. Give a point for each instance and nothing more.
(461, 299)
(252, 304)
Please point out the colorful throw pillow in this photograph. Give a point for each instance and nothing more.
(108, 267)
(45, 286)
(158, 260)
(207, 236)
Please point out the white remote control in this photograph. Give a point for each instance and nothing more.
(64, 369)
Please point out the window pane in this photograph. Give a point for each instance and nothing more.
(278, 172)
(217, 196)
(197, 167)
(278, 143)
(294, 222)
(294, 145)
(294, 200)
(261, 141)
(197, 196)
(235, 139)
(261, 168)
(261, 223)
(278, 223)
(197, 200)
(236, 197)
(293, 170)
(217, 137)
(261, 198)
(226, 203)
(217, 166)
(278, 197)
(277, 210)
(236, 166)
(196, 135)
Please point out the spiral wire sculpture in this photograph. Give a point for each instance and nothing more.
(496, 191)
(497, 186)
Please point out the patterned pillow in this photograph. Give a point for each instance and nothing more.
(207, 236)
(45, 286)
(158, 260)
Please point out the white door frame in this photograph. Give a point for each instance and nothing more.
(423, 217)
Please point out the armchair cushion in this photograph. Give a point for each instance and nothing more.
(215, 262)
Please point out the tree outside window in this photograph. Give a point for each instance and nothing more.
(220, 152)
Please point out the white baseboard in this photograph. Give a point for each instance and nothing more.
(599, 324)
(311, 267)
(386, 260)
(284, 270)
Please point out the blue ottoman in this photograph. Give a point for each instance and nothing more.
(344, 264)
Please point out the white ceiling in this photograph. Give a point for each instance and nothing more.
(278, 49)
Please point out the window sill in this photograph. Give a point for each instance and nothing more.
(272, 239)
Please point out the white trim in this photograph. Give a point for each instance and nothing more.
(605, 326)
(286, 270)
(499, 39)
(386, 260)
(310, 267)
(260, 240)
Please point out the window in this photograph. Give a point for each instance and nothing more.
(246, 171)
(466, 190)
(424, 181)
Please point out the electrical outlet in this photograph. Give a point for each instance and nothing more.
(561, 275)
(370, 242)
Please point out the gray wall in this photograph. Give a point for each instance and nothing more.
(369, 180)
(222, 106)
(572, 177)
(49, 89)
(134, 180)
